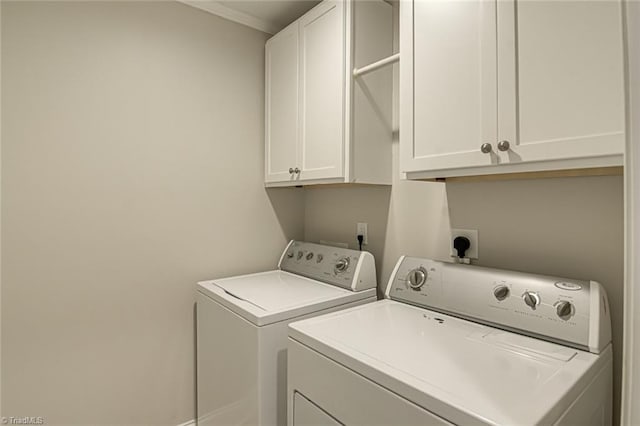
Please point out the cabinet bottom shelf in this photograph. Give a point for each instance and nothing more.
(546, 174)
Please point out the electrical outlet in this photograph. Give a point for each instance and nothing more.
(472, 235)
(361, 229)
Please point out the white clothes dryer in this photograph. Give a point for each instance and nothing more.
(457, 344)
(242, 328)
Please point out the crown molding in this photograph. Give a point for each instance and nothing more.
(225, 12)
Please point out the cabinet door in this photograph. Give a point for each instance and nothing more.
(448, 84)
(322, 86)
(281, 105)
(567, 101)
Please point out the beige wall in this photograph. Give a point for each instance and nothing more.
(631, 377)
(131, 168)
(569, 227)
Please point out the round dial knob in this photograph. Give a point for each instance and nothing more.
(319, 258)
(417, 277)
(564, 309)
(531, 299)
(290, 254)
(342, 264)
(310, 255)
(501, 292)
(300, 255)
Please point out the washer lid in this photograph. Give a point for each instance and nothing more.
(268, 297)
(277, 290)
(465, 372)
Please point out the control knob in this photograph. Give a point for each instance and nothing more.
(341, 265)
(531, 298)
(300, 255)
(501, 292)
(417, 278)
(564, 309)
(310, 255)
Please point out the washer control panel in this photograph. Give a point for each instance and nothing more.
(342, 267)
(573, 312)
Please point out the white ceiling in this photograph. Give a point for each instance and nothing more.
(269, 16)
(277, 12)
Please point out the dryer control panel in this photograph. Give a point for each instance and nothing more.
(350, 269)
(568, 311)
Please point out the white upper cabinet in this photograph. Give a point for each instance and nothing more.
(568, 95)
(454, 92)
(318, 116)
(281, 68)
(322, 92)
(490, 87)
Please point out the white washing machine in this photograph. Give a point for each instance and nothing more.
(242, 328)
(457, 344)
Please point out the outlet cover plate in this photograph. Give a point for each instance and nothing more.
(361, 229)
(472, 235)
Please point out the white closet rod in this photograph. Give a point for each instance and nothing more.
(376, 65)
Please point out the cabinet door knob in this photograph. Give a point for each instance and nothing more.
(290, 170)
(296, 170)
(504, 146)
(485, 148)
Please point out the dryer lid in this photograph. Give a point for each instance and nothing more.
(465, 372)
